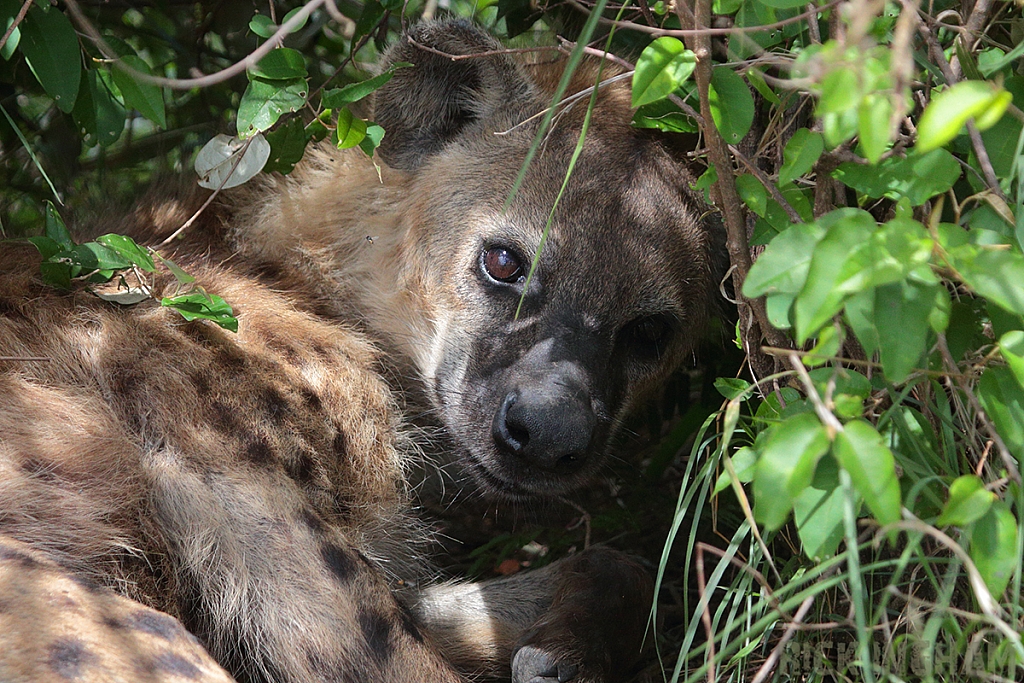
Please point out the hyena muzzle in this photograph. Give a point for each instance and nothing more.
(162, 479)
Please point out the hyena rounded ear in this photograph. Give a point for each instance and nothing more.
(425, 106)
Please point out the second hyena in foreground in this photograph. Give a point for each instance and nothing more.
(253, 485)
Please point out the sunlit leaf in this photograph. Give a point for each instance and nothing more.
(969, 500)
(949, 110)
(663, 66)
(199, 305)
(801, 153)
(264, 101)
(860, 451)
(785, 466)
(226, 162)
(994, 547)
(732, 105)
(145, 98)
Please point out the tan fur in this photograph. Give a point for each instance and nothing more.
(254, 485)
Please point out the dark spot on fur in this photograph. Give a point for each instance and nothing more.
(340, 446)
(275, 404)
(311, 520)
(224, 417)
(112, 623)
(301, 468)
(176, 664)
(259, 452)
(339, 560)
(8, 554)
(40, 469)
(311, 399)
(321, 352)
(68, 657)
(410, 627)
(153, 623)
(377, 632)
(201, 383)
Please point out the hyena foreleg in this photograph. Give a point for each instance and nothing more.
(278, 594)
(581, 619)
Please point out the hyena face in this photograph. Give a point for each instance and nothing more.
(533, 374)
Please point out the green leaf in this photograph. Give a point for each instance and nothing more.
(756, 78)
(786, 465)
(280, 64)
(50, 46)
(350, 131)
(55, 229)
(901, 318)
(732, 105)
(840, 92)
(918, 177)
(1011, 346)
(94, 256)
(97, 112)
(264, 102)
(180, 275)
(801, 153)
(731, 387)
(743, 461)
(1003, 400)
(353, 92)
(948, 112)
(968, 501)
(783, 4)
(663, 66)
(873, 117)
(840, 262)
(997, 275)
(753, 193)
(994, 548)
(47, 247)
(8, 11)
(56, 274)
(374, 134)
(200, 305)
(287, 146)
(292, 13)
(860, 451)
(784, 264)
(145, 98)
(818, 512)
(127, 249)
(262, 26)
(664, 115)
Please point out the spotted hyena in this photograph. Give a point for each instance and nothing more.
(167, 483)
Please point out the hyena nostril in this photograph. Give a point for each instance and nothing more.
(509, 435)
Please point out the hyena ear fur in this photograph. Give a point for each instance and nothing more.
(424, 107)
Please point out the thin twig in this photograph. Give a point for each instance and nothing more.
(584, 520)
(1004, 452)
(478, 55)
(724, 189)
(202, 81)
(705, 600)
(14, 24)
(682, 9)
(773, 659)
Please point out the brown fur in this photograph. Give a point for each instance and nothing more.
(253, 485)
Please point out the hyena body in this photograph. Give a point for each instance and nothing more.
(254, 485)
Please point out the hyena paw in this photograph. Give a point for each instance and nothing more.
(534, 665)
(594, 630)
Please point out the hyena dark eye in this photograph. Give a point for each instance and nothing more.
(648, 336)
(501, 264)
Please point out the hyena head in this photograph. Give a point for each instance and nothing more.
(533, 374)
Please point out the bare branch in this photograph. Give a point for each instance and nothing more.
(202, 81)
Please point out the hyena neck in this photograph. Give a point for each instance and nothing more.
(340, 227)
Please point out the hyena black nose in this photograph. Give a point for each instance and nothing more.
(549, 425)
